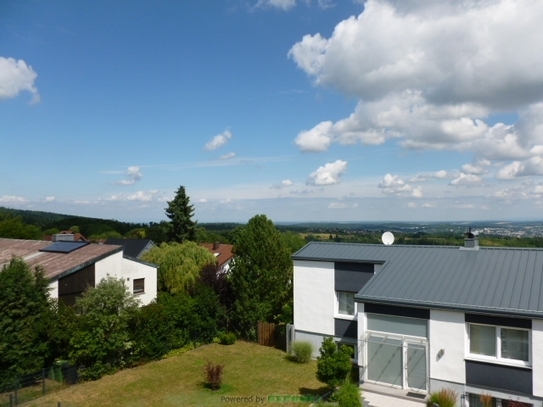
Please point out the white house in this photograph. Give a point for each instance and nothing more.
(422, 318)
(71, 266)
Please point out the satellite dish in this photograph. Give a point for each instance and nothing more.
(387, 238)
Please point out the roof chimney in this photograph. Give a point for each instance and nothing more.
(216, 245)
(471, 241)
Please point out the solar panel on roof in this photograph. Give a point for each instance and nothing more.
(63, 247)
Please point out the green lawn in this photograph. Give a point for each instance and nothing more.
(250, 371)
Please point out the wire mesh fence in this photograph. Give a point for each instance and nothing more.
(28, 387)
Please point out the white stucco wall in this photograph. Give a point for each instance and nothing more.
(127, 270)
(53, 289)
(132, 270)
(537, 357)
(447, 331)
(314, 296)
(111, 265)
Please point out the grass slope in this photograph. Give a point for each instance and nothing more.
(250, 370)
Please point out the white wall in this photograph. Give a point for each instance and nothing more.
(447, 331)
(134, 269)
(111, 265)
(314, 296)
(53, 289)
(537, 357)
(127, 270)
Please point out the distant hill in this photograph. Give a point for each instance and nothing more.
(87, 226)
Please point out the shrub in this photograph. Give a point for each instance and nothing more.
(348, 395)
(228, 338)
(486, 400)
(443, 397)
(213, 375)
(302, 351)
(333, 364)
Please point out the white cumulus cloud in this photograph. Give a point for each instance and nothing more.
(218, 141)
(430, 75)
(15, 77)
(394, 185)
(328, 174)
(466, 179)
(144, 196)
(132, 174)
(12, 199)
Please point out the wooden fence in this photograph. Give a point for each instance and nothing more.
(266, 333)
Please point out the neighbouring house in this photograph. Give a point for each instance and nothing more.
(223, 254)
(423, 318)
(132, 248)
(71, 266)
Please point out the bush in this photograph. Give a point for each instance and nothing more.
(443, 397)
(228, 338)
(302, 351)
(348, 395)
(486, 400)
(213, 375)
(333, 364)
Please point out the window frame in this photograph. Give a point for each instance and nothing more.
(134, 286)
(337, 312)
(498, 358)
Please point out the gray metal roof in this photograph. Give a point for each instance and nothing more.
(488, 279)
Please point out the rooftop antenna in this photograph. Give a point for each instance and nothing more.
(387, 238)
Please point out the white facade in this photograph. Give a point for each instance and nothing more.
(111, 265)
(135, 270)
(314, 297)
(447, 336)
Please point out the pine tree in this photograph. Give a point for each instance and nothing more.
(180, 212)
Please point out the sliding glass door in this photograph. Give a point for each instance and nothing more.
(397, 361)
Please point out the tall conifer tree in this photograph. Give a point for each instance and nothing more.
(180, 212)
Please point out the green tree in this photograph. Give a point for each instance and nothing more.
(180, 212)
(102, 343)
(178, 264)
(24, 306)
(158, 232)
(293, 240)
(260, 276)
(13, 227)
(333, 364)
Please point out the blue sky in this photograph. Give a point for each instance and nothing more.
(301, 110)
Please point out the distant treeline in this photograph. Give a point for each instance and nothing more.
(46, 223)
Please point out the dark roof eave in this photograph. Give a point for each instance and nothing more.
(450, 307)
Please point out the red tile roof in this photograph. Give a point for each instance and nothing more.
(54, 264)
(223, 251)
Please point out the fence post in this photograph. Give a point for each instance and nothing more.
(10, 400)
(43, 382)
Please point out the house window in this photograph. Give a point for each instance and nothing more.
(499, 343)
(139, 286)
(345, 303)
